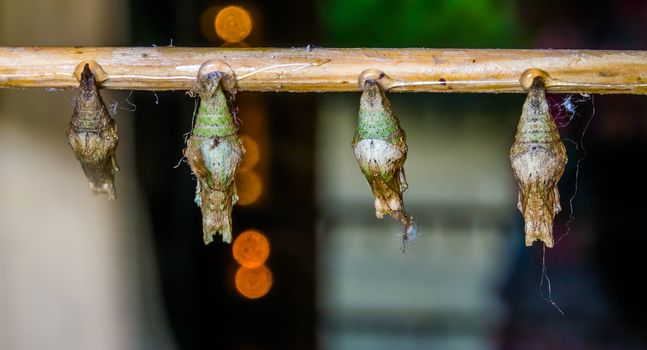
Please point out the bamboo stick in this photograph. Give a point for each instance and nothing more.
(326, 70)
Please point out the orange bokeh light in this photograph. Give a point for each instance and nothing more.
(253, 283)
(233, 24)
(252, 153)
(251, 249)
(249, 186)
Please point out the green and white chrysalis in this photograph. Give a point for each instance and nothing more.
(214, 151)
(92, 134)
(381, 150)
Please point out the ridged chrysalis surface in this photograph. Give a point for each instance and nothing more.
(538, 158)
(214, 152)
(381, 150)
(92, 134)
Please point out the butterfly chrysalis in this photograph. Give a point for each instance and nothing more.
(381, 150)
(92, 134)
(538, 158)
(214, 152)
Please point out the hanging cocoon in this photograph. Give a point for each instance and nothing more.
(538, 158)
(214, 152)
(92, 134)
(381, 150)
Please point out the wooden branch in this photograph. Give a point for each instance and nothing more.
(324, 70)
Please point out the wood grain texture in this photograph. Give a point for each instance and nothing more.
(330, 69)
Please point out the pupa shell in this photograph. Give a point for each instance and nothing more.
(380, 148)
(92, 134)
(538, 158)
(214, 152)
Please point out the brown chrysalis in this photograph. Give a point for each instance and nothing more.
(538, 158)
(92, 134)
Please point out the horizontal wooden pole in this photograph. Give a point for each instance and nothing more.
(329, 69)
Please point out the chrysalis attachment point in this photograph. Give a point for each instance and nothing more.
(227, 75)
(538, 158)
(92, 134)
(384, 81)
(529, 75)
(214, 151)
(99, 74)
(381, 150)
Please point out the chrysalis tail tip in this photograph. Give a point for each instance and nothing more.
(208, 237)
(106, 189)
(542, 237)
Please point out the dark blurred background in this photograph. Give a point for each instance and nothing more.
(335, 277)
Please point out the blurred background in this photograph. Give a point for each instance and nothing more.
(314, 269)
